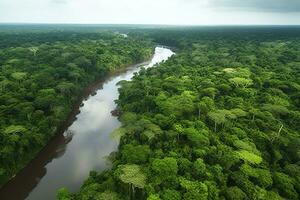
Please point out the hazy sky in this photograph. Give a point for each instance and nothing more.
(189, 12)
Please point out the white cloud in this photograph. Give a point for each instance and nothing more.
(142, 12)
(59, 1)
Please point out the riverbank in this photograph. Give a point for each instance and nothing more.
(57, 146)
(84, 94)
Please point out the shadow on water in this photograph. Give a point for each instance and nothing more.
(29, 177)
(35, 170)
(82, 143)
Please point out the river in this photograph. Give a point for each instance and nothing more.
(84, 146)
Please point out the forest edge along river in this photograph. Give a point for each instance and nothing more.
(84, 145)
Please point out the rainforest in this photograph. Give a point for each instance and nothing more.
(195, 112)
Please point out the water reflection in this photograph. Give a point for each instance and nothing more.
(84, 146)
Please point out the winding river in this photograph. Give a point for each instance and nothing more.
(84, 145)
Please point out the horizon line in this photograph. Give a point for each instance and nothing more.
(137, 24)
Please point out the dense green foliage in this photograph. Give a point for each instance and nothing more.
(42, 76)
(219, 120)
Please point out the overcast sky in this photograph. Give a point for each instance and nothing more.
(188, 12)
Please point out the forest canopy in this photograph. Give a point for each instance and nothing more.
(43, 75)
(219, 120)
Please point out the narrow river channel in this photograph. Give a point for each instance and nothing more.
(67, 159)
